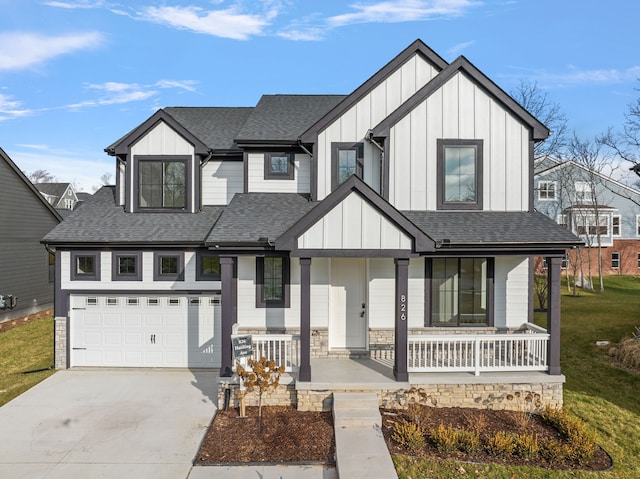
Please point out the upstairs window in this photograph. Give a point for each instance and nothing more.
(547, 190)
(127, 266)
(346, 159)
(208, 267)
(583, 192)
(168, 266)
(162, 182)
(85, 266)
(459, 174)
(278, 166)
(615, 226)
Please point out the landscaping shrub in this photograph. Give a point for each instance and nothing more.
(469, 442)
(627, 353)
(555, 451)
(445, 438)
(526, 446)
(419, 413)
(409, 435)
(501, 444)
(581, 442)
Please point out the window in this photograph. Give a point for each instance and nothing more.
(638, 260)
(459, 291)
(586, 225)
(162, 183)
(208, 267)
(546, 190)
(126, 266)
(637, 225)
(346, 160)
(173, 302)
(615, 260)
(168, 266)
(562, 221)
(133, 301)
(85, 266)
(272, 282)
(460, 174)
(615, 226)
(583, 192)
(112, 301)
(68, 204)
(91, 301)
(153, 301)
(278, 166)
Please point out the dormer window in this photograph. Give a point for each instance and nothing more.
(459, 174)
(162, 182)
(278, 166)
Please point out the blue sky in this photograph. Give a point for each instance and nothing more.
(76, 75)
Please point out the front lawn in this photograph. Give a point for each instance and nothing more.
(604, 396)
(26, 358)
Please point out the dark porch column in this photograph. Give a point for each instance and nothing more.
(401, 334)
(304, 374)
(229, 312)
(553, 314)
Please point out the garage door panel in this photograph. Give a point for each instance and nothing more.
(145, 331)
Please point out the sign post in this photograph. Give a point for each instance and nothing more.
(242, 348)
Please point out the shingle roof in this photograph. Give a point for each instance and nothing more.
(53, 189)
(251, 217)
(286, 117)
(217, 127)
(101, 221)
(491, 227)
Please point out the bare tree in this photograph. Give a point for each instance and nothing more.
(105, 180)
(40, 176)
(537, 102)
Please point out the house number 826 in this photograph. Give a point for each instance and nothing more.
(403, 307)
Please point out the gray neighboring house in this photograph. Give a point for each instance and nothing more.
(393, 224)
(60, 195)
(27, 271)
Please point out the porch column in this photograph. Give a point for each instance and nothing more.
(304, 373)
(229, 312)
(401, 335)
(553, 314)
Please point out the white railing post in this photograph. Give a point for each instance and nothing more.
(476, 354)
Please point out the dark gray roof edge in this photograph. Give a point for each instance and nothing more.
(461, 64)
(29, 185)
(121, 146)
(417, 47)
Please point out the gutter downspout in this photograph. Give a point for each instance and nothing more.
(304, 148)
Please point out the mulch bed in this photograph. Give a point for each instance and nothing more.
(16, 323)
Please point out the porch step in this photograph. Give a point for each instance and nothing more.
(360, 447)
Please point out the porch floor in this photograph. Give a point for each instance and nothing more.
(377, 374)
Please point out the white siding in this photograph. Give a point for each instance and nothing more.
(122, 182)
(460, 109)
(220, 181)
(354, 224)
(367, 113)
(511, 291)
(147, 283)
(300, 184)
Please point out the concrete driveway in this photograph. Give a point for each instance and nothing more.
(107, 424)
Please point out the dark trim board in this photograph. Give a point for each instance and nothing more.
(353, 253)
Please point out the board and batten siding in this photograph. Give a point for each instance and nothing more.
(24, 221)
(354, 224)
(459, 110)
(511, 298)
(147, 284)
(164, 140)
(251, 317)
(367, 113)
(257, 183)
(220, 181)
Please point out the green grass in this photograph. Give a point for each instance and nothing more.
(23, 350)
(605, 397)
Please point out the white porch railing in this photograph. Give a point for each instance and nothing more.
(283, 349)
(521, 351)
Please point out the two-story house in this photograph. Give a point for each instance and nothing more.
(60, 195)
(392, 224)
(602, 211)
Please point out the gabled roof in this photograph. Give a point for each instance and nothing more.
(461, 64)
(100, 221)
(283, 118)
(121, 147)
(52, 189)
(417, 47)
(257, 219)
(287, 242)
(29, 185)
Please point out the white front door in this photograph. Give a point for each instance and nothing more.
(348, 310)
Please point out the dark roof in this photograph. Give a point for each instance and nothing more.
(82, 196)
(254, 217)
(217, 127)
(285, 117)
(101, 221)
(52, 189)
(487, 228)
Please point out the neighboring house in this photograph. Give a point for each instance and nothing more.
(395, 223)
(27, 269)
(600, 210)
(60, 195)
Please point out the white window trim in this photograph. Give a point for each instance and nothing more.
(546, 190)
(618, 260)
(638, 225)
(613, 217)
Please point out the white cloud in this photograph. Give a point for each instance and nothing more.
(303, 34)
(226, 23)
(10, 109)
(394, 11)
(456, 50)
(19, 50)
(188, 85)
(577, 77)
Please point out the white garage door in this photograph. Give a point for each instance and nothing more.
(145, 331)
